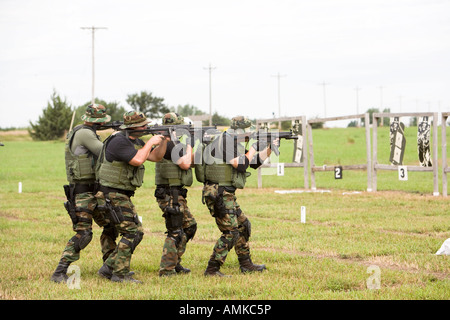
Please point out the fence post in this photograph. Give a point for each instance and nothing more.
(444, 153)
(369, 158)
(374, 152)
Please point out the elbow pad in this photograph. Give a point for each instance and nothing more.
(242, 164)
(256, 162)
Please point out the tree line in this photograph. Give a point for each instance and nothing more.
(57, 116)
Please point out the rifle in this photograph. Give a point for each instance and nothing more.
(111, 125)
(268, 137)
(174, 131)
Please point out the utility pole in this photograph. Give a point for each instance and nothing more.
(210, 97)
(279, 97)
(357, 104)
(324, 99)
(93, 68)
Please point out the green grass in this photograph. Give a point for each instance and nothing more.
(398, 229)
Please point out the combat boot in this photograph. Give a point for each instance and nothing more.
(180, 269)
(60, 274)
(106, 271)
(246, 265)
(213, 269)
(166, 273)
(124, 278)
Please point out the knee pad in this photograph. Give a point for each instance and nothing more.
(81, 239)
(176, 235)
(190, 232)
(247, 230)
(231, 242)
(137, 238)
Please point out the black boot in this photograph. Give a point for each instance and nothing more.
(246, 265)
(180, 269)
(124, 278)
(60, 274)
(213, 269)
(106, 271)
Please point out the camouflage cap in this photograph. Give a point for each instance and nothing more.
(95, 113)
(132, 119)
(240, 122)
(172, 118)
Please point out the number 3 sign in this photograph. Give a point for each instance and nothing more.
(402, 173)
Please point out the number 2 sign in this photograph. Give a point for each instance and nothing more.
(338, 172)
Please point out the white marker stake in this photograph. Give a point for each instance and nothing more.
(303, 214)
(402, 173)
(280, 169)
(20, 187)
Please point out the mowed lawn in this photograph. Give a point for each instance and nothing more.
(348, 232)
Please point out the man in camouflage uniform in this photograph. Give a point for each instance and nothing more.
(81, 151)
(226, 162)
(172, 174)
(120, 171)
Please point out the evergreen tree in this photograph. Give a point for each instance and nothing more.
(152, 107)
(54, 121)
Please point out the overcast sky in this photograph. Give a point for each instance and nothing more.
(396, 51)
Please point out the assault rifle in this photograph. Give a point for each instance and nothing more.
(110, 125)
(175, 131)
(265, 138)
(172, 131)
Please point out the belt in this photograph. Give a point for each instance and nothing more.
(107, 190)
(82, 188)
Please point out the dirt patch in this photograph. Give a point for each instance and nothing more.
(383, 262)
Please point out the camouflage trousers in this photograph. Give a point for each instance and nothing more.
(86, 205)
(130, 229)
(232, 223)
(177, 237)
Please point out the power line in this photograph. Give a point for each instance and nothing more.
(93, 67)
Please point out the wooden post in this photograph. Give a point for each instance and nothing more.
(259, 178)
(444, 153)
(435, 154)
(368, 157)
(374, 152)
(311, 157)
(305, 154)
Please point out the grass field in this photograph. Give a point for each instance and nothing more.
(397, 229)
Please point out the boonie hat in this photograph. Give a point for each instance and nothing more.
(172, 118)
(95, 113)
(132, 119)
(240, 122)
